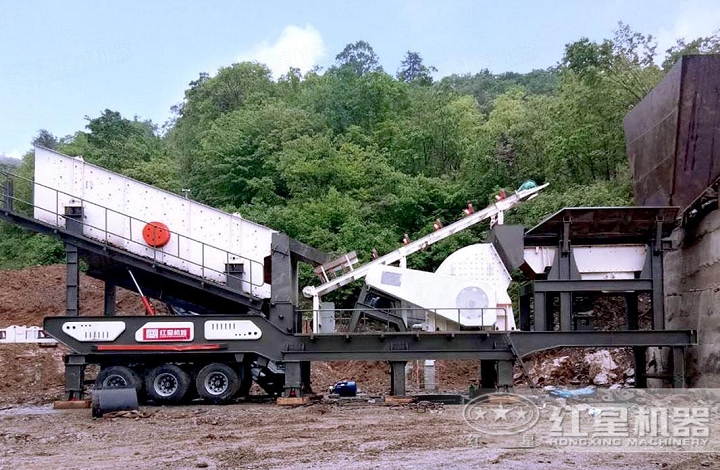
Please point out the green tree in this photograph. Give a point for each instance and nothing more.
(359, 58)
(412, 70)
(627, 61)
(46, 139)
(702, 45)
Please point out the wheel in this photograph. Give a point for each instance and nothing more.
(119, 377)
(167, 384)
(217, 383)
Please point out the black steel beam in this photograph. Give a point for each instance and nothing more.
(395, 346)
(621, 285)
(308, 254)
(527, 342)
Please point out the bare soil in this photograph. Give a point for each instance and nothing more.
(271, 437)
(247, 435)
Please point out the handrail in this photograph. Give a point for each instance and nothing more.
(397, 313)
(9, 198)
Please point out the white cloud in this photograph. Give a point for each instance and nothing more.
(12, 154)
(694, 19)
(296, 47)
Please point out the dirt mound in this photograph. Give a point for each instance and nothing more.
(29, 295)
(30, 374)
(371, 377)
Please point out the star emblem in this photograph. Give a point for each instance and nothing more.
(479, 413)
(521, 413)
(501, 413)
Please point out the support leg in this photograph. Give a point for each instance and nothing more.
(678, 367)
(524, 313)
(566, 311)
(550, 312)
(488, 376)
(658, 295)
(505, 376)
(397, 378)
(305, 369)
(632, 323)
(74, 376)
(540, 312)
(110, 298)
(293, 379)
(639, 356)
(72, 281)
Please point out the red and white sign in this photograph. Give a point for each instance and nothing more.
(165, 332)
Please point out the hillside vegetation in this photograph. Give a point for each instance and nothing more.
(353, 157)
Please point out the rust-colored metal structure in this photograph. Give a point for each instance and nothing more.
(673, 135)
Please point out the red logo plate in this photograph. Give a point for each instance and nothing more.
(166, 334)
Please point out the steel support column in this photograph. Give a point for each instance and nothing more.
(678, 367)
(540, 312)
(293, 379)
(74, 376)
(565, 268)
(639, 356)
(110, 298)
(72, 281)
(658, 296)
(525, 310)
(505, 376)
(305, 372)
(488, 375)
(284, 285)
(397, 378)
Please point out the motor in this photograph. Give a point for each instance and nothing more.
(345, 388)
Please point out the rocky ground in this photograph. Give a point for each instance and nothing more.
(271, 437)
(248, 435)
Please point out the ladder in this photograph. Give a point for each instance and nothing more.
(493, 210)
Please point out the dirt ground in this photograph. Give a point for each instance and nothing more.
(271, 437)
(248, 435)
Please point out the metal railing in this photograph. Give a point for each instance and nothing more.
(343, 317)
(13, 204)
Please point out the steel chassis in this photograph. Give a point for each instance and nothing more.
(280, 322)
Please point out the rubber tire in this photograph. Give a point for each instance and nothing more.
(132, 379)
(233, 383)
(180, 376)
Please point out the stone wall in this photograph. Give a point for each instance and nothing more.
(692, 300)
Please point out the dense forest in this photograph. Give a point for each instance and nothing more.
(353, 157)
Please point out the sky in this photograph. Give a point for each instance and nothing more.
(61, 61)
